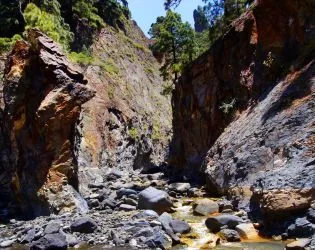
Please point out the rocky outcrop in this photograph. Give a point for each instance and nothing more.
(58, 142)
(127, 126)
(43, 94)
(244, 111)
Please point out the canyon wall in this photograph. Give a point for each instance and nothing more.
(43, 94)
(65, 126)
(244, 111)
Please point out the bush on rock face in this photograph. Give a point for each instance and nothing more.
(50, 23)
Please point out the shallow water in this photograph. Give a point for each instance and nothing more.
(201, 238)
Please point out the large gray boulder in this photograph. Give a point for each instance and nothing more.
(56, 241)
(84, 225)
(214, 223)
(205, 207)
(154, 199)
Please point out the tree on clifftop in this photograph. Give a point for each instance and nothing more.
(175, 40)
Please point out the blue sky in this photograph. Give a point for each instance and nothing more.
(145, 12)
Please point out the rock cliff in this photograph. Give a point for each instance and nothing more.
(43, 94)
(62, 132)
(244, 111)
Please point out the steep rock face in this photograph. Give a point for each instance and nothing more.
(261, 74)
(127, 125)
(43, 94)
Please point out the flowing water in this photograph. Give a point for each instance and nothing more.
(201, 238)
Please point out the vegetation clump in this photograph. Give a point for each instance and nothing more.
(53, 25)
(228, 107)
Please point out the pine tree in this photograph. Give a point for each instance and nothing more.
(175, 40)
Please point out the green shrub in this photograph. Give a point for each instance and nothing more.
(53, 25)
(86, 10)
(6, 44)
(156, 133)
(268, 62)
(82, 58)
(133, 132)
(85, 59)
(227, 107)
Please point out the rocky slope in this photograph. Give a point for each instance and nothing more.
(244, 111)
(127, 126)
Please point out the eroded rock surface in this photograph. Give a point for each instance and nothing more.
(244, 111)
(43, 94)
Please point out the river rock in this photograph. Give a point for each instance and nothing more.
(84, 225)
(7, 243)
(160, 240)
(126, 207)
(230, 235)
(299, 244)
(29, 237)
(247, 231)
(147, 214)
(301, 228)
(52, 227)
(214, 223)
(205, 207)
(311, 215)
(180, 187)
(125, 192)
(154, 199)
(224, 205)
(55, 241)
(166, 220)
(180, 226)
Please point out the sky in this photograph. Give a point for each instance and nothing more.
(145, 12)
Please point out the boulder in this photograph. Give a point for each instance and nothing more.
(125, 192)
(214, 223)
(247, 231)
(166, 220)
(206, 207)
(154, 199)
(160, 240)
(299, 244)
(179, 226)
(29, 237)
(147, 214)
(225, 205)
(84, 225)
(55, 241)
(311, 215)
(180, 187)
(230, 235)
(52, 227)
(7, 243)
(301, 228)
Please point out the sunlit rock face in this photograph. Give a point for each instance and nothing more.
(43, 94)
(244, 111)
(127, 126)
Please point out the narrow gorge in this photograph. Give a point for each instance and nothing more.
(99, 151)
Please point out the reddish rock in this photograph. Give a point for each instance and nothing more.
(43, 95)
(261, 151)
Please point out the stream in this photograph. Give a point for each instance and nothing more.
(201, 238)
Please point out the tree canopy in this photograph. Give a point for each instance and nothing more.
(60, 19)
(174, 39)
